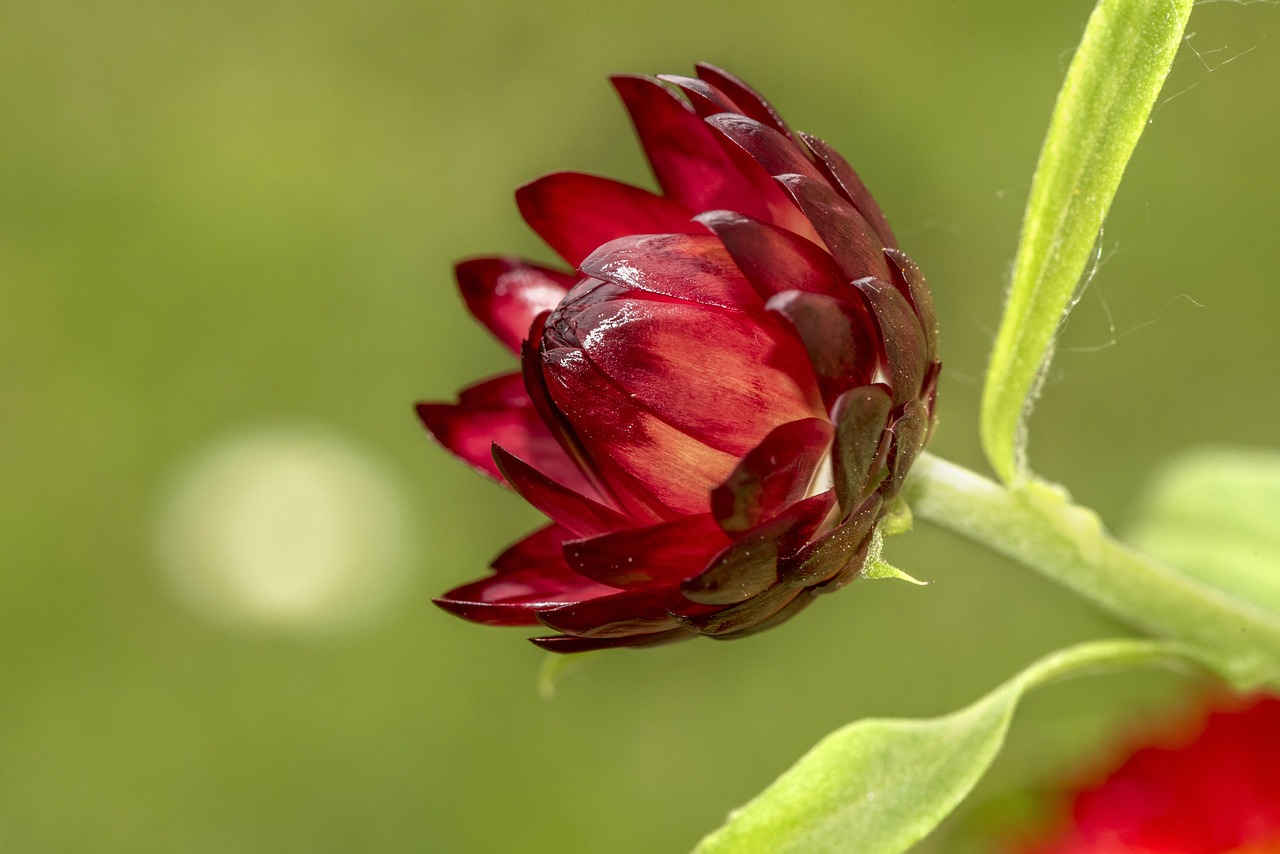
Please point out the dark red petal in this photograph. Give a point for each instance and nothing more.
(904, 343)
(841, 174)
(910, 282)
(568, 644)
(861, 416)
(529, 580)
(910, 432)
(499, 410)
(692, 267)
(656, 556)
(577, 513)
(743, 616)
(772, 476)
(574, 213)
(677, 469)
(750, 566)
(617, 615)
(543, 546)
(506, 294)
(855, 247)
(751, 102)
(774, 259)
(839, 335)
(802, 600)
(837, 553)
(723, 377)
(691, 166)
(776, 153)
(705, 99)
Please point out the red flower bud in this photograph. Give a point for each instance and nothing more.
(718, 407)
(1210, 789)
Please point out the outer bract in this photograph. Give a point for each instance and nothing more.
(717, 407)
(1214, 789)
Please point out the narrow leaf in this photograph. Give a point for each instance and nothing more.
(1212, 513)
(878, 786)
(1101, 111)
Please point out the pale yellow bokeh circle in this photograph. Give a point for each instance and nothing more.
(289, 529)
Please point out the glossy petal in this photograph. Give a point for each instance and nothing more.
(499, 410)
(617, 615)
(705, 99)
(839, 335)
(506, 294)
(691, 166)
(576, 513)
(909, 281)
(692, 267)
(904, 342)
(774, 259)
(777, 154)
(842, 176)
(750, 566)
(861, 416)
(856, 248)
(528, 578)
(747, 99)
(802, 599)
(836, 556)
(772, 476)
(722, 377)
(655, 556)
(644, 446)
(742, 616)
(910, 432)
(564, 644)
(574, 213)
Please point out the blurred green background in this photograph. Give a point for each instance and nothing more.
(222, 218)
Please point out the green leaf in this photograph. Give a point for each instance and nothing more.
(1101, 111)
(878, 786)
(1214, 513)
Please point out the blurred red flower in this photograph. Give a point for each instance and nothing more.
(1213, 788)
(718, 407)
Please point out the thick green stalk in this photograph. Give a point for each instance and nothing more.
(1038, 525)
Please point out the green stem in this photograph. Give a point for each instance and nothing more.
(1036, 524)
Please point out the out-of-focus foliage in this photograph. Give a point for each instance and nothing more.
(216, 218)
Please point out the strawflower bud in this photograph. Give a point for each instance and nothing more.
(1212, 788)
(721, 403)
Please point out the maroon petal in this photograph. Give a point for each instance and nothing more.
(855, 247)
(774, 259)
(910, 432)
(750, 566)
(676, 468)
(617, 615)
(658, 555)
(861, 416)
(569, 644)
(506, 294)
(772, 476)
(904, 342)
(839, 335)
(499, 410)
(723, 377)
(705, 99)
(688, 161)
(692, 267)
(751, 102)
(777, 154)
(841, 174)
(803, 599)
(577, 513)
(910, 282)
(743, 616)
(841, 550)
(544, 546)
(574, 213)
(528, 580)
